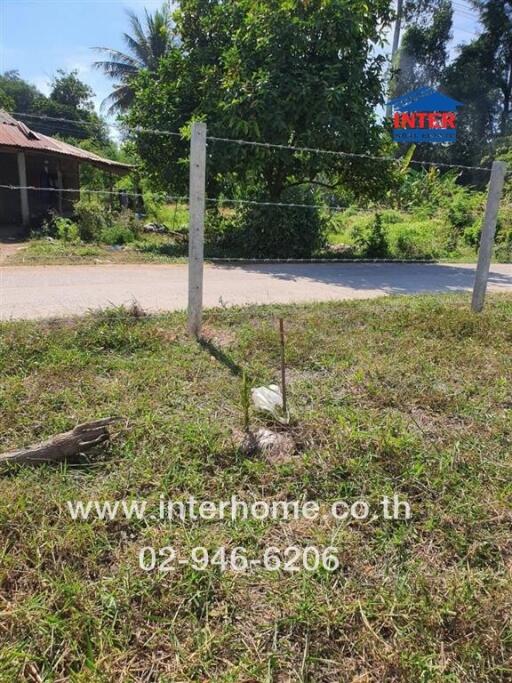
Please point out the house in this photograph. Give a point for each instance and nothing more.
(33, 160)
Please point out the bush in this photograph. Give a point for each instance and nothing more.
(129, 222)
(371, 241)
(117, 234)
(269, 231)
(66, 230)
(472, 233)
(406, 245)
(503, 251)
(410, 243)
(391, 217)
(460, 212)
(504, 235)
(91, 218)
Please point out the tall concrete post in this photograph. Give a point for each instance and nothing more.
(197, 203)
(498, 171)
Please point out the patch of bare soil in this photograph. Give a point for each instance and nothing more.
(7, 250)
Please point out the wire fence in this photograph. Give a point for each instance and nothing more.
(173, 198)
(197, 199)
(260, 144)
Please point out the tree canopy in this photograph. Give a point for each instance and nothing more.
(285, 71)
(69, 99)
(480, 75)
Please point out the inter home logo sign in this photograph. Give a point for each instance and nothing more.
(424, 115)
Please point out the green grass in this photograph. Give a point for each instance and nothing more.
(409, 235)
(147, 249)
(406, 395)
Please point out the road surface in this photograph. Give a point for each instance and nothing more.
(61, 291)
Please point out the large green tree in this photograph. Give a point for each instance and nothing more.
(481, 77)
(69, 107)
(423, 53)
(293, 72)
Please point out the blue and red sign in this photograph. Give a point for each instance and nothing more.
(424, 115)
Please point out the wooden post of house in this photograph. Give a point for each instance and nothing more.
(22, 176)
(60, 185)
(498, 171)
(111, 191)
(196, 227)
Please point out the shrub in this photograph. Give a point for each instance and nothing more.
(503, 251)
(47, 227)
(91, 218)
(66, 230)
(472, 233)
(413, 243)
(129, 221)
(371, 241)
(460, 212)
(504, 235)
(269, 231)
(406, 245)
(390, 216)
(117, 234)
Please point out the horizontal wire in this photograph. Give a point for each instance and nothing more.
(217, 200)
(82, 122)
(359, 155)
(91, 191)
(251, 202)
(271, 145)
(44, 117)
(178, 198)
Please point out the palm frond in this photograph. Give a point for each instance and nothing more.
(118, 101)
(116, 55)
(147, 43)
(118, 70)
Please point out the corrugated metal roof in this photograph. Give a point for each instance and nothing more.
(15, 134)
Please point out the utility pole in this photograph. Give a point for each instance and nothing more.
(396, 42)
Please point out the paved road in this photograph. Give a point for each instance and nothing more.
(49, 291)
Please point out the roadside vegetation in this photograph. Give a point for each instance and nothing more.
(431, 216)
(224, 70)
(403, 395)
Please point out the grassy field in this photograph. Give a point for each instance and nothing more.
(404, 395)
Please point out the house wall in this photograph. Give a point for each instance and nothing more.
(42, 171)
(10, 205)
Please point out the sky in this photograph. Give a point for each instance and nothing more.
(37, 37)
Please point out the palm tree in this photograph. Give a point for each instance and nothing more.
(146, 46)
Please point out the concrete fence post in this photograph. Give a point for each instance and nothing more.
(196, 227)
(496, 183)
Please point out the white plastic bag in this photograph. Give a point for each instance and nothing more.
(268, 399)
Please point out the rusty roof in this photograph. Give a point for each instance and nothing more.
(16, 135)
